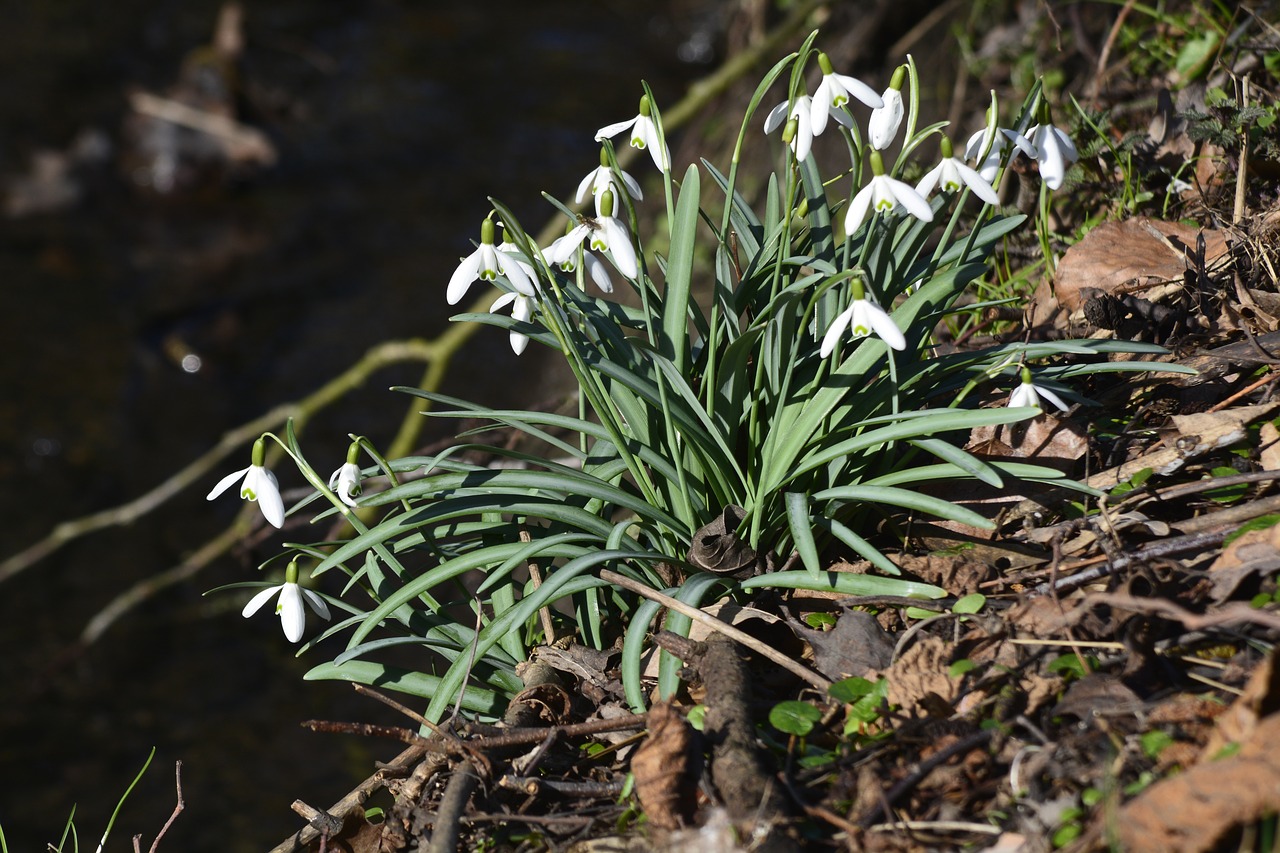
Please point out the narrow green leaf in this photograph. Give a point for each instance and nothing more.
(675, 311)
(802, 530)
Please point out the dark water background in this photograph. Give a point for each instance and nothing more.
(394, 121)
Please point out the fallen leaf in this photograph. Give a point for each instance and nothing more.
(1120, 257)
(918, 679)
(666, 769)
(1260, 698)
(1199, 808)
(856, 645)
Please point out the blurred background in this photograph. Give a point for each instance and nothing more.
(165, 286)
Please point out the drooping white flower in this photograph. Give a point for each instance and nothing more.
(605, 233)
(293, 618)
(885, 193)
(521, 309)
(345, 482)
(564, 252)
(952, 174)
(644, 135)
(1029, 394)
(256, 484)
(863, 317)
(886, 119)
(603, 178)
(486, 263)
(993, 142)
(884, 123)
(801, 136)
(1054, 151)
(834, 92)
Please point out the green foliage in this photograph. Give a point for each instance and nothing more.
(794, 718)
(738, 381)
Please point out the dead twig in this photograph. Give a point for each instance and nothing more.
(724, 628)
(177, 809)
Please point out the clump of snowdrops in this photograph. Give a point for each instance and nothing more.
(775, 374)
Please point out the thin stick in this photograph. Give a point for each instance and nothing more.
(715, 624)
(544, 612)
(155, 845)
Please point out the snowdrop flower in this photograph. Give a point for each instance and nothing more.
(885, 193)
(486, 263)
(606, 233)
(345, 482)
(256, 484)
(564, 252)
(886, 120)
(602, 178)
(1030, 394)
(1054, 150)
(952, 174)
(644, 135)
(293, 618)
(862, 318)
(834, 92)
(521, 309)
(993, 141)
(799, 130)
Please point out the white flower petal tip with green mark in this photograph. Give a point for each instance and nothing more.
(802, 111)
(994, 146)
(293, 618)
(834, 92)
(604, 233)
(563, 252)
(256, 484)
(644, 135)
(486, 263)
(863, 318)
(953, 174)
(1054, 151)
(345, 483)
(886, 193)
(602, 178)
(1030, 394)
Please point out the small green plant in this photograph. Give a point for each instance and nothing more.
(769, 391)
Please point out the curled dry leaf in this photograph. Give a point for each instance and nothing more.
(666, 769)
(919, 677)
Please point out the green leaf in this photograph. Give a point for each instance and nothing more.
(403, 680)
(802, 530)
(909, 500)
(845, 583)
(971, 603)
(675, 312)
(794, 718)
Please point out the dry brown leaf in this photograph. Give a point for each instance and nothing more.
(1125, 256)
(1269, 444)
(856, 645)
(1198, 808)
(666, 769)
(920, 674)
(1260, 698)
(1044, 438)
(1253, 552)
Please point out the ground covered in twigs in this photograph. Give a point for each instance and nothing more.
(1101, 674)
